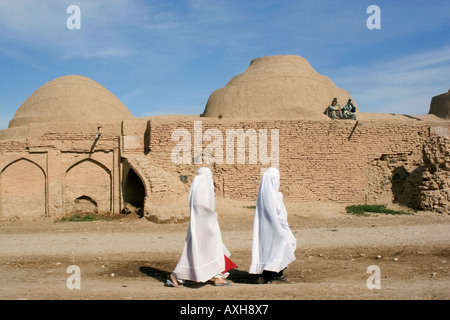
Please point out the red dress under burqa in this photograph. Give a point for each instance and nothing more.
(229, 264)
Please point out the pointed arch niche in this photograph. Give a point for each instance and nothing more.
(88, 188)
(23, 189)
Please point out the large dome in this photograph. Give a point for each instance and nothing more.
(70, 98)
(282, 86)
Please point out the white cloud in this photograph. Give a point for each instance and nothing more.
(98, 53)
(419, 60)
(117, 28)
(41, 25)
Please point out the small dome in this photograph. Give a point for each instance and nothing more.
(70, 98)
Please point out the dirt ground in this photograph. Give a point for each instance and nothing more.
(130, 258)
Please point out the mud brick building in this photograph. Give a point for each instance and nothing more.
(74, 147)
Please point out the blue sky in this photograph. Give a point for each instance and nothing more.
(167, 57)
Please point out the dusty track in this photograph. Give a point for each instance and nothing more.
(131, 258)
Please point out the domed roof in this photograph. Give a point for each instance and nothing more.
(282, 87)
(70, 98)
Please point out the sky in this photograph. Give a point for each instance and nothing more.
(167, 57)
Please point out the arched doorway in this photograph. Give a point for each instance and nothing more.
(133, 194)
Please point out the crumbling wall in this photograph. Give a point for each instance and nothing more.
(435, 190)
(340, 161)
(396, 178)
(419, 179)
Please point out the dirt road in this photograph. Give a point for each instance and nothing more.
(130, 258)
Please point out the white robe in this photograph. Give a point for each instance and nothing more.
(274, 245)
(203, 253)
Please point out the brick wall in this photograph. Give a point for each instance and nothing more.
(55, 168)
(318, 160)
(52, 167)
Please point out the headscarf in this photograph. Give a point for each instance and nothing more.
(274, 245)
(203, 253)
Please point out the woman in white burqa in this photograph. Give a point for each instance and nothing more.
(274, 244)
(204, 255)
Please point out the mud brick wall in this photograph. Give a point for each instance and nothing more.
(56, 169)
(435, 187)
(74, 137)
(318, 160)
(11, 146)
(55, 166)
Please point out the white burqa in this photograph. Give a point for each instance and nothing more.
(273, 246)
(203, 253)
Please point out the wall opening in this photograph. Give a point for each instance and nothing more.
(133, 194)
(85, 204)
